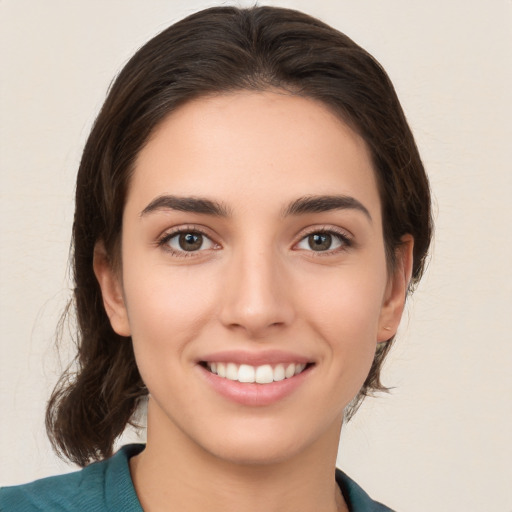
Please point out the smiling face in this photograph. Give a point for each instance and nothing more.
(254, 282)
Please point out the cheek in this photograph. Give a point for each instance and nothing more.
(345, 301)
(167, 307)
(344, 312)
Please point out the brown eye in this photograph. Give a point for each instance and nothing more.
(188, 241)
(324, 241)
(320, 241)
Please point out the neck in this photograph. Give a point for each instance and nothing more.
(174, 473)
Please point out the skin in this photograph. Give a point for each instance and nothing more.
(254, 285)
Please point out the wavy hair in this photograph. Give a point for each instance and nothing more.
(220, 49)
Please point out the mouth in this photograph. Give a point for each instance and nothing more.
(262, 374)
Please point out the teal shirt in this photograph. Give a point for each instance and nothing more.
(107, 486)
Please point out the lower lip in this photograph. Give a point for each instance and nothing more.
(253, 394)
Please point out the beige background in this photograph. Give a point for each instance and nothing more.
(441, 440)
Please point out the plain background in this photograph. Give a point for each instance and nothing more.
(441, 440)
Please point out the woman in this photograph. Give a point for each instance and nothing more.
(251, 211)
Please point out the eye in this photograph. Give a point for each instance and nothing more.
(187, 241)
(323, 241)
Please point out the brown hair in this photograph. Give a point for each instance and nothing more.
(215, 50)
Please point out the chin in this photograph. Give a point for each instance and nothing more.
(271, 443)
(257, 452)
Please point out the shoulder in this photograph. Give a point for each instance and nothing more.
(74, 491)
(357, 499)
(99, 487)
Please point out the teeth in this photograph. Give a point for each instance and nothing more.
(299, 368)
(221, 369)
(231, 371)
(260, 374)
(264, 374)
(279, 372)
(290, 371)
(246, 373)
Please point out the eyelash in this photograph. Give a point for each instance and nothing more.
(345, 240)
(165, 239)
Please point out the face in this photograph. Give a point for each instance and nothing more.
(254, 281)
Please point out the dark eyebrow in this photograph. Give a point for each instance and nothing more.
(187, 204)
(318, 204)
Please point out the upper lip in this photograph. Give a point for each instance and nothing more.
(255, 358)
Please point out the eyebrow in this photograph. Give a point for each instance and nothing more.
(319, 204)
(187, 204)
(301, 206)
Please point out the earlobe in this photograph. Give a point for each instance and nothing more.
(396, 291)
(111, 290)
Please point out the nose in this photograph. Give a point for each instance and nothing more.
(258, 297)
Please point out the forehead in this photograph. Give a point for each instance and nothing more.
(248, 146)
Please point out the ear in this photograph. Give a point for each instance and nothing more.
(111, 290)
(396, 290)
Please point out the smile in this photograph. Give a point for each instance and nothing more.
(263, 374)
